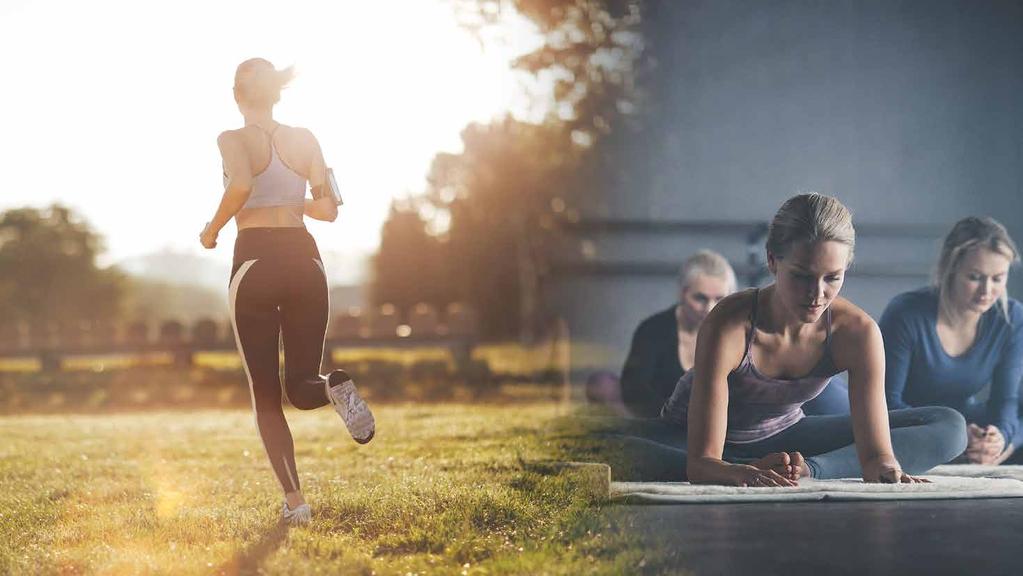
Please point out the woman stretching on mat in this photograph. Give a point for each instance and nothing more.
(278, 290)
(762, 353)
(944, 343)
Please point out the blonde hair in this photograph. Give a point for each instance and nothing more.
(258, 83)
(969, 234)
(707, 263)
(810, 218)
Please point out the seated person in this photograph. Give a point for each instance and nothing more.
(944, 343)
(737, 417)
(664, 344)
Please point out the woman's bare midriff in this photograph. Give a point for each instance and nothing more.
(270, 217)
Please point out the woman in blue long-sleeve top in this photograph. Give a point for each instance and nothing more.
(944, 343)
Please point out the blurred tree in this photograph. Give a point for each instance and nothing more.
(613, 63)
(407, 268)
(592, 54)
(500, 198)
(48, 270)
(495, 207)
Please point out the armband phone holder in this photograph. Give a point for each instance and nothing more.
(335, 192)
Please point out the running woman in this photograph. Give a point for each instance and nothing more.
(278, 289)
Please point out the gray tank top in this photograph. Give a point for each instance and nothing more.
(277, 185)
(759, 407)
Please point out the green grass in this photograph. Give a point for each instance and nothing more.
(442, 489)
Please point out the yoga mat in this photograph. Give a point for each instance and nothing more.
(978, 471)
(940, 488)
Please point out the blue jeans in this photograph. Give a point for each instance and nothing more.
(921, 437)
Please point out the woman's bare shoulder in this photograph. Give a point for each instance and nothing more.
(234, 136)
(849, 321)
(234, 146)
(732, 313)
(300, 138)
(297, 133)
(722, 336)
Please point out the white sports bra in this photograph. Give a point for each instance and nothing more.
(277, 185)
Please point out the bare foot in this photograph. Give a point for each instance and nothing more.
(791, 465)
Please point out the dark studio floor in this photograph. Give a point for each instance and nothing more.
(979, 536)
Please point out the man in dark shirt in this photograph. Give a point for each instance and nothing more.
(664, 345)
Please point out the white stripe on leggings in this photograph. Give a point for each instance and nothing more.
(232, 301)
(326, 326)
(232, 297)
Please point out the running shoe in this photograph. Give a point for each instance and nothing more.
(298, 516)
(350, 406)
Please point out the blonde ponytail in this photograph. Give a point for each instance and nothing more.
(258, 83)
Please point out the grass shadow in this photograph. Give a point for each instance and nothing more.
(248, 560)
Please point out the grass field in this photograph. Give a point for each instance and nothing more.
(442, 489)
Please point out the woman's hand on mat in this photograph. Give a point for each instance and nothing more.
(984, 445)
(752, 477)
(208, 238)
(889, 472)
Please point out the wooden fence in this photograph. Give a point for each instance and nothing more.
(456, 329)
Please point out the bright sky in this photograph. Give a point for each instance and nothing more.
(113, 107)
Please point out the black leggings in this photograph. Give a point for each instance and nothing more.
(278, 297)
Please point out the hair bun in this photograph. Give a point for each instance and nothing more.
(256, 81)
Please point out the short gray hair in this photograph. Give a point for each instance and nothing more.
(707, 263)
